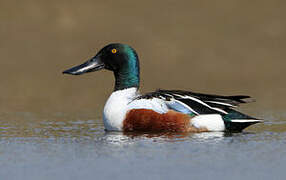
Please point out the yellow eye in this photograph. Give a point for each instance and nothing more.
(114, 51)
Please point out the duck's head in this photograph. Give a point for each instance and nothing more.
(119, 58)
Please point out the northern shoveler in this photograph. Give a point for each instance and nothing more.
(162, 110)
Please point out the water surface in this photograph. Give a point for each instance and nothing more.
(59, 148)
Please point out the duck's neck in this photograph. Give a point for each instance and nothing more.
(124, 80)
(128, 75)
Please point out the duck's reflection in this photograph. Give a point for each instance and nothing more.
(216, 136)
(130, 137)
(116, 138)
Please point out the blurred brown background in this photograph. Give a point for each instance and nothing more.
(223, 47)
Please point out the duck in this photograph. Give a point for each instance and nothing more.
(162, 110)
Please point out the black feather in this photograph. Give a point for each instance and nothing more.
(209, 101)
(233, 100)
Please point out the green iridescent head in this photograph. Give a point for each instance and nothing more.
(119, 58)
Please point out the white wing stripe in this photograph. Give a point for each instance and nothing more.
(221, 103)
(245, 120)
(201, 102)
(220, 110)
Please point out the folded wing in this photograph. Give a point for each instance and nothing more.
(198, 103)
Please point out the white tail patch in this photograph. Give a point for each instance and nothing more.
(212, 122)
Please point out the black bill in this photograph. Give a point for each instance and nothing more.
(91, 65)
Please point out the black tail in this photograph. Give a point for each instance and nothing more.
(236, 121)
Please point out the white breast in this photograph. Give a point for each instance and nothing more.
(120, 102)
(116, 107)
